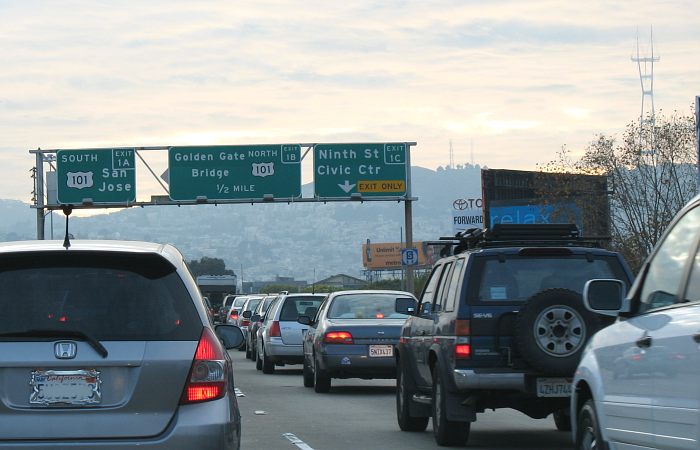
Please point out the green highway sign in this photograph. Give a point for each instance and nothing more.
(99, 176)
(230, 172)
(372, 170)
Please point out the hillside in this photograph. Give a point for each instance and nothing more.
(270, 239)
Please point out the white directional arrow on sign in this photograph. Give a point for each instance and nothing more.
(347, 187)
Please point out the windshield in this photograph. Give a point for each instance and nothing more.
(364, 306)
(114, 297)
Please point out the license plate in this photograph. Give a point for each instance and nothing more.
(65, 387)
(381, 351)
(553, 387)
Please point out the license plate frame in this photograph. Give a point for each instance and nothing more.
(80, 387)
(381, 351)
(553, 387)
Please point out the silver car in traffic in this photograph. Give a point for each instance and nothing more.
(279, 338)
(107, 344)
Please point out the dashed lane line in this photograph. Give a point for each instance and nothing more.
(296, 441)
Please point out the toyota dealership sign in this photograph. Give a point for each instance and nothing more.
(467, 212)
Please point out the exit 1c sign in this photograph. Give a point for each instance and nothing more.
(371, 169)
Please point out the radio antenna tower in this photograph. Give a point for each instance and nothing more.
(645, 65)
(452, 156)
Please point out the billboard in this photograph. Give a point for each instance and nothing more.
(387, 256)
(524, 197)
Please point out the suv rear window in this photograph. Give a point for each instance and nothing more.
(516, 278)
(110, 296)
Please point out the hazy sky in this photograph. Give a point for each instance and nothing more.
(514, 79)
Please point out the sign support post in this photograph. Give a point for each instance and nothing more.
(408, 218)
(697, 134)
(39, 192)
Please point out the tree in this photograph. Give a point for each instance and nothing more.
(651, 174)
(209, 266)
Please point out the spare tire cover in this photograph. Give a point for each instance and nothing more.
(552, 329)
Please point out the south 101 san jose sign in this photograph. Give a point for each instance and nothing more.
(97, 176)
(235, 172)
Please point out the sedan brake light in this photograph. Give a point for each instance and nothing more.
(207, 377)
(338, 337)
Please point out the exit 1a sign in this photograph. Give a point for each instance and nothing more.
(97, 176)
(372, 169)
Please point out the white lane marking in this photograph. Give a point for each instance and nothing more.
(238, 392)
(296, 441)
(260, 413)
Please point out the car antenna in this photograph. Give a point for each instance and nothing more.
(67, 209)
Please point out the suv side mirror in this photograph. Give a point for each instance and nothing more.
(605, 297)
(247, 314)
(304, 320)
(405, 305)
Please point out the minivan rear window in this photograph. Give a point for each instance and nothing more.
(111, 296)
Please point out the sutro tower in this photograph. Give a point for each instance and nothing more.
(645, 65)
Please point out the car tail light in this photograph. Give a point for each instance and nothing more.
(245, 322)
(462, 328)
(275, 329)
(207, 378)
(463, 351)
(234, 316)
(337, 337)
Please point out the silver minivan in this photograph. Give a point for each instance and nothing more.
(280, 337)
(637, 386)
(107, 344)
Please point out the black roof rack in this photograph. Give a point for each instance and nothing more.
(510, 235)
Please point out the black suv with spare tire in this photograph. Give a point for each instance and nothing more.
(500, 324)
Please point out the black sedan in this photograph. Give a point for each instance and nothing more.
(352, 336)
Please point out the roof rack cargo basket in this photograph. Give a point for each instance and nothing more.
(507, 235)
(538, 232)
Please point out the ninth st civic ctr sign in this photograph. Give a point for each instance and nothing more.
(370, 169)
(235, 172)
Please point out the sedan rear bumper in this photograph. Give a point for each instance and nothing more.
(353, 361)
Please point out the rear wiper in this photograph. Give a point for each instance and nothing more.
(57, 333)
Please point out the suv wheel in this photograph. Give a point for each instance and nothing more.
(588, 433)
(552, 329)
(322, 381)
(562, 419)
(404, 397)
(308, 374)
(446, 432)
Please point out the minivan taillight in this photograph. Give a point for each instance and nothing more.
(234, 315)
(207, 377)
(275, 329)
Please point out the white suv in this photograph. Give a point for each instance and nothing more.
(637, 385)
